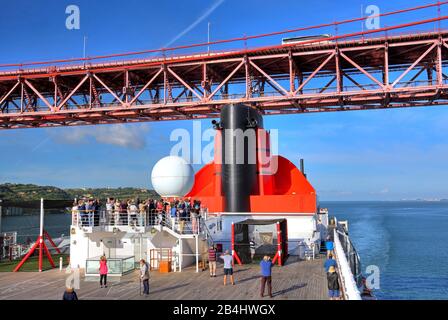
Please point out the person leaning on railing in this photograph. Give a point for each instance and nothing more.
(142, 213)
(117, 208)
(89, 212)
(96, 212)
(133, 211)
(173, 214)
(75, 214)
(109, 210)
(82, 212)
(123, 213)
(181, 216)
(194, 220)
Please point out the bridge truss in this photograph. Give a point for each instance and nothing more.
(341, 73)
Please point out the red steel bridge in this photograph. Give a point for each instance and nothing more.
(390, 67)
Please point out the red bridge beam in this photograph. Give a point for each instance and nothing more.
(384, 72)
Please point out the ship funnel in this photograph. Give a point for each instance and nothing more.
(239, 155)
(302, 167)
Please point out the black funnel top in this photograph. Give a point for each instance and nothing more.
(239, 155)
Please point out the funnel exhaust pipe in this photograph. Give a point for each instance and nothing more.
(302, 167)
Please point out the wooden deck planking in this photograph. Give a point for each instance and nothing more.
(298, 280)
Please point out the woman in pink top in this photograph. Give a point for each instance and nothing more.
(103, 271)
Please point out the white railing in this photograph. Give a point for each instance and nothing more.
(350, 291)
(110, 218)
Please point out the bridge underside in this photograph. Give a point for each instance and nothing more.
(364, 73)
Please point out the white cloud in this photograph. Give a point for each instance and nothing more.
(381, 192)
(132, 137)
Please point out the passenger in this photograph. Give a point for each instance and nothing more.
(366, 291)
(109, 205)
(252, 248)
(165, 205)
(75, 212)
(117, 212)
(142, 213)
(333, 284)
(194, 220)
(144, 276)
(160, 205)
(197, 205)
(110, 210)
(266, 275)
(151, 204)
(96, 212)
(82, 212)
(89, 212)
(228, 268)
(181, 216)
(212, 261)
(329, 244)
(330, 262)
(187, 205)
(69, 294)
(160, 218)
(133, 212)
(204, 259)
(173, 214)
(103, 271)
(152, 211)
(124, 213)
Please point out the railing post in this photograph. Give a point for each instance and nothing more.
(180, 254)
(60, 263)
(197, 253)
(351, 291)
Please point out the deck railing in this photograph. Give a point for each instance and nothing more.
(192, 224)
(349, 284)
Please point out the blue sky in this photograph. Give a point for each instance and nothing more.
(384, 155)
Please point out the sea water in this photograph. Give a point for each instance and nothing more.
(407, 240)
(27, 226)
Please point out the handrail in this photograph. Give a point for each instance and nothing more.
(350, 291)
(116, 218)
(206, 231)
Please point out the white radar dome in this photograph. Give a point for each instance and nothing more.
(172, 177)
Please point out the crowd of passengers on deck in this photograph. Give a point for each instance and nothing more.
(137, 212)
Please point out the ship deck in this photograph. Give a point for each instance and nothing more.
(297, 280)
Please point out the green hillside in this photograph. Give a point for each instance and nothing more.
(120, 193)
(30, 192)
